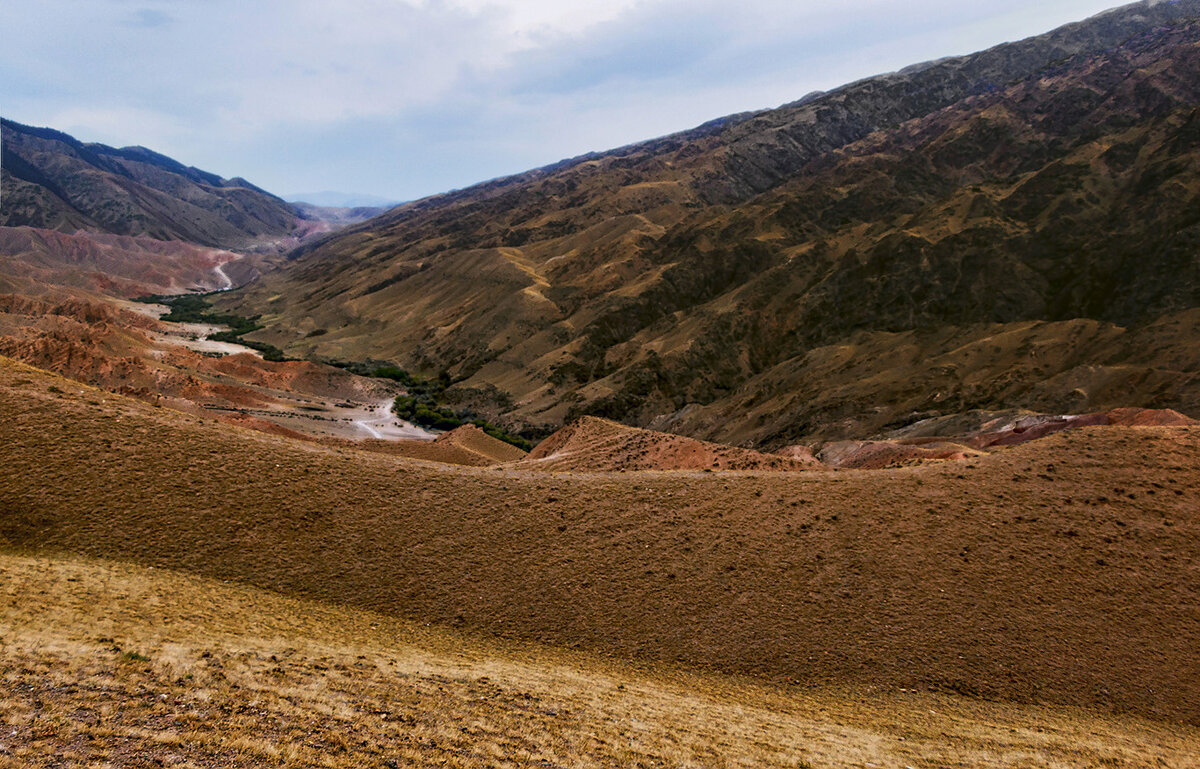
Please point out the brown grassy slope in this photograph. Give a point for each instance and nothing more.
(874, 381)
(592, 444)
(1063, 570)
(474, 440)
(467, 446)
(110, 664)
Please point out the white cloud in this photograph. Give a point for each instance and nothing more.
(527, 19)
(155, 129)
(406, 97)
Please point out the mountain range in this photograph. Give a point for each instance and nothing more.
(331, 199)
(49, 180)
(1013, 228)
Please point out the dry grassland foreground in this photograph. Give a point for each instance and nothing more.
(104, 664)
(180, 592)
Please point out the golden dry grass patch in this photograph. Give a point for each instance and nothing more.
(109, 664)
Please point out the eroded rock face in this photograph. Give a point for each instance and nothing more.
(1009, 229)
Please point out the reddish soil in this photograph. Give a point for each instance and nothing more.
(1040, 425)
(75, 308)
(111, 264)
(262, 425)
(1149, 418)
(874, 455)
(94, 341)
(292, 376)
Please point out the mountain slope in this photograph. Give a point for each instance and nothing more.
(590, 444)
(53, 181)
(1059, 571)
(686, 280)
(35, 261)
(205, 673)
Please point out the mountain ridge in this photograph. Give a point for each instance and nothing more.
(672, 279)
(1057, 571)
(52, 180)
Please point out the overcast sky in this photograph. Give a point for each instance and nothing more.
(405, 98)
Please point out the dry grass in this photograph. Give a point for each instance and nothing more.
(592, 444)
(105, 664)
(1057, 572)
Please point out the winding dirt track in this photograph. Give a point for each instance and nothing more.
(384, 425)
(227, 282)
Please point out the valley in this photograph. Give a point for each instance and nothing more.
(1009, 229)
(859, 432)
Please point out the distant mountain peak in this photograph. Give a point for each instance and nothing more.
(333, 199)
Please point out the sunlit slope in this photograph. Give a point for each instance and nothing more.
(908, 226)
(110, 663)
(1059, 571)
(598, 444)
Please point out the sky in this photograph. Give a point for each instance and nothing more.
(405, 98)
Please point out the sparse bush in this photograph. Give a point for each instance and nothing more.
(396, 374)
(194, 308)
(422, 406)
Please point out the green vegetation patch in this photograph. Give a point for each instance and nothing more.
(425, 402)
(195, 308)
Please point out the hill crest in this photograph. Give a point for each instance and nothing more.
(951, 577)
